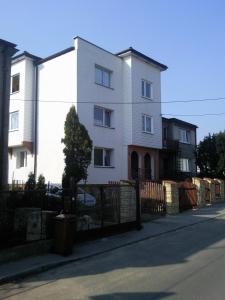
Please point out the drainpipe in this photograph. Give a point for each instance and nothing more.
(36, 122)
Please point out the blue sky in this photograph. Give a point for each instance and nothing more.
(186, 35)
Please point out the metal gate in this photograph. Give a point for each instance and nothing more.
(152, 196)
(187, 195)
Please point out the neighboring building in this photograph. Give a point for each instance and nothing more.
(177, 159)
(7, 50)
(117, 98)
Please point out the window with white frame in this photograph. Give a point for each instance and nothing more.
(103, 76)
(15, 83)
(146, 89)
(102, 116)
(14, 120)
(102, 157)
(184, 164)
(184, 136)
(147, 124)
(21, 159)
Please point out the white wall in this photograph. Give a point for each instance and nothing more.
(16, 136)
(71, 78)
(88, 90)
(142, 70)
(20, 174)
(19, 102)
(57, 82)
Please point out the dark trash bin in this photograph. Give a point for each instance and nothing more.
(65, 227)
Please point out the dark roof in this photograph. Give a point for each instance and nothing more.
(55, 55)
(6, 43)
(27, 54)
(180, 122)
(145, 57)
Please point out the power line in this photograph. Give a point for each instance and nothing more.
(123, 103)
(197, 115)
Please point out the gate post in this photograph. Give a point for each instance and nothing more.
(138, 206)
(171, 197)
(200, 191)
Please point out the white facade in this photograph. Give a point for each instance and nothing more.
(70, 78)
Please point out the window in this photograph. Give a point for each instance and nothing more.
(15, 83)
(102, 76)
(14, 120)
(21, 159)
(102, 116)
(146, 89)
(183, 165)
(102, 157)
(147, 124)
(184, 136)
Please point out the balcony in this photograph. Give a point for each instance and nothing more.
(171, 145)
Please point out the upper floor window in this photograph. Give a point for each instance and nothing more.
(14, 120)
(102, 76)
(15, 83)
(183, 165)
(184, 136)
(147, 124)
(146, 89)
(102, 116)
(102, 157)
(21, 159)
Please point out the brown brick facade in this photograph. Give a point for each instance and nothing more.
(142, 151)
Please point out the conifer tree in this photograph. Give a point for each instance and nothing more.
(77, 150)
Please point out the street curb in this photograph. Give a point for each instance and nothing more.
(53, 265)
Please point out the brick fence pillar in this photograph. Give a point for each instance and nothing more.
(200, 186)
(212, 189)
(222, 191)
(171, 197)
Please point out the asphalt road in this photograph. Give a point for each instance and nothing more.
(186, 264)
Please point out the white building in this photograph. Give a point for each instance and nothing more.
(117, 98)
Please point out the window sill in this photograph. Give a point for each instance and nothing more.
(13, 130)
(103, 126)
(108, 87)
(148, 132)
(12, 93)
(104, 167)
(147, 98)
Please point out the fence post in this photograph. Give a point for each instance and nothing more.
(222, 189)
(220, 183)
(200, 191)
(171, 197)
(138, 206)
(102, 206)
(212, 189)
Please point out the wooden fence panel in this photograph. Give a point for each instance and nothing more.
(187, 195)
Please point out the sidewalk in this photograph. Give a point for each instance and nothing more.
(35, 264)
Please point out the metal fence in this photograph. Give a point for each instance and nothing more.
(27, 216)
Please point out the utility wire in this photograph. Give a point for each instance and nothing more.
(197, 115)
(125, 103)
